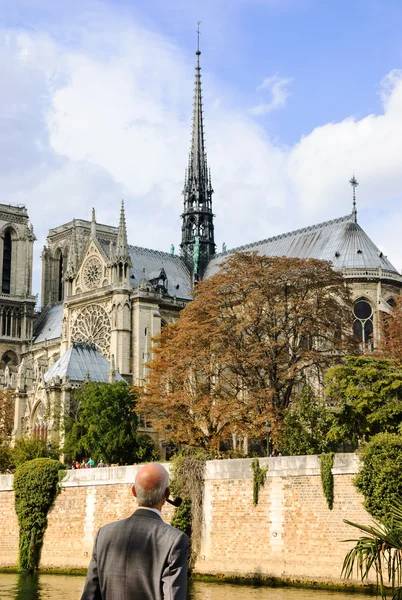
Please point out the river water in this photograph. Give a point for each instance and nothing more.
(63, 587)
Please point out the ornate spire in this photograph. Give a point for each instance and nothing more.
(354, 185)
(121, 244)
(197, 216)
(197, 177)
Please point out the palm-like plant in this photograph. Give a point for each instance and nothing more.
(379, 550)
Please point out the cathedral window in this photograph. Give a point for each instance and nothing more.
(363, 322)
(7, 249)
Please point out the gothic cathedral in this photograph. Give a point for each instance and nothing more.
(104, 300)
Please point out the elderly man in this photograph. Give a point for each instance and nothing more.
(140, 558)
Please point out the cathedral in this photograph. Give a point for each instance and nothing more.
(104, 300)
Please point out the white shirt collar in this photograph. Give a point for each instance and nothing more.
(155, 510)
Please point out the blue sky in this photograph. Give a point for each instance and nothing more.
(95, 105)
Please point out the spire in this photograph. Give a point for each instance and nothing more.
(93, 223)
(121, 244)
(197, 178)
(197, 215)
(354, 185)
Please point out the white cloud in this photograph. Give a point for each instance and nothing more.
(277, 88)
(88, 125)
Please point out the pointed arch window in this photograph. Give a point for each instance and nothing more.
(363, 322)
(7, 252)
(60, 279)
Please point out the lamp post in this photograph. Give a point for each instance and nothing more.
(268, 428)
(48, 446)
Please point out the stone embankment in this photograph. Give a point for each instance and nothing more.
(291, 533)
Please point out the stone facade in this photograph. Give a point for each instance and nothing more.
(290, 534)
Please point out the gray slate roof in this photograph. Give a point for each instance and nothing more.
(341, 241)
(79, 362)
(49, 324)
(179, 280)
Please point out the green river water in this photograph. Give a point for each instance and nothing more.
(63, 587)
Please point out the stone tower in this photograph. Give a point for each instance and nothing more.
(16, 301)
(197, 243)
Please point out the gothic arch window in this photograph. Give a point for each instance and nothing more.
(363, 321)
(60, 272)
(9, 359)
(7, 253)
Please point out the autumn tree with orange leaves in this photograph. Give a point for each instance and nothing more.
(241, 350)
(390, 343)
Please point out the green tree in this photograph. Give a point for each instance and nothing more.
(28, 448)
(380, 476)
(379, 550)
(104, 425)
(367, 393)
(306, 426)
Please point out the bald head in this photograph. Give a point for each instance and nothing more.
(151, 485)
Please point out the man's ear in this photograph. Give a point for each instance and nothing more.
(167, 493)
(134, 491)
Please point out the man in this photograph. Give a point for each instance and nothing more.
(140, 558)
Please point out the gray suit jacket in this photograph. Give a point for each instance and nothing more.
(139, 558)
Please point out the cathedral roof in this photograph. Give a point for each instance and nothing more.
(341, 241)
(49, 324)
(177, 273)
(80, 362)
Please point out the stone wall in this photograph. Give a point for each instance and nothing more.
(291, 533)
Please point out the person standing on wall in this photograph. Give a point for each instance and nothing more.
(140, 557)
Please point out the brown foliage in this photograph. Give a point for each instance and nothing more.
(253, 333)
(390, 344)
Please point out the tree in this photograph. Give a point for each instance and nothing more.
(106, 425)
(380, 476)
(255, 331)
(390, 345)
(380, 549)
(306, 426)
(6, 428)
(28, 448)
(367, 392)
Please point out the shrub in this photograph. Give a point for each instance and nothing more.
(36, 485)
(380, 477)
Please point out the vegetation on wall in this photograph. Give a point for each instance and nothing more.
(36, 485)
(187, 481)
(241, 349)
(367, 392)
(259, 477)
(380, 475)
(103, 424)
(327, 479)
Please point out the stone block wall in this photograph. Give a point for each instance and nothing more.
(290, 534)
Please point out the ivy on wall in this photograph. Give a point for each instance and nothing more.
(187, 481)
(36, 485)
(259, 477)
(327, 479)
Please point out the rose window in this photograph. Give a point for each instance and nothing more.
(92, 325)
(92, 273)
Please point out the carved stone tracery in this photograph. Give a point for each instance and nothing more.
(92, 273)
(92, 324)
